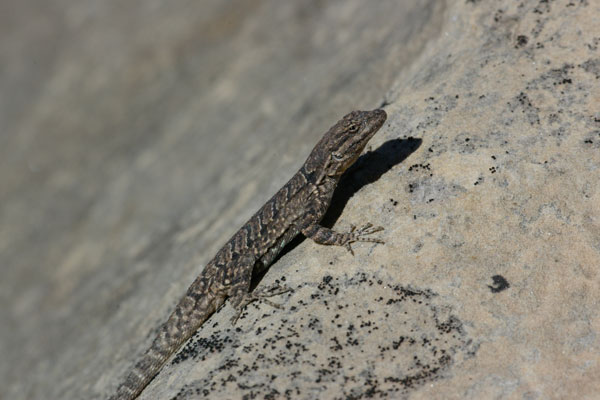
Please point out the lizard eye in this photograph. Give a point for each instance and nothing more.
(337, 157)
(353, 128)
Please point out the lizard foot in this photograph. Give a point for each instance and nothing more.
(358, 235)
(258, 294)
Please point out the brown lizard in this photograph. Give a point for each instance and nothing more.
(296, 208)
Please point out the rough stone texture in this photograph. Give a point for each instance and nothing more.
(138, 136)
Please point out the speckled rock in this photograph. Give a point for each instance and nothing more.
(142, 135)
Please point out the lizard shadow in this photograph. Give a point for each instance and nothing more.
(367, 169)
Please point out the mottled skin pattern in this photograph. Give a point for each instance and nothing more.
(296, 208)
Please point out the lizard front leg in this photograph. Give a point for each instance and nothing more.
(320, 234)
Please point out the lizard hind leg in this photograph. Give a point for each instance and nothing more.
(241, 297)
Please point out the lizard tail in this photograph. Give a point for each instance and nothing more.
(145, 369)
(189, 315)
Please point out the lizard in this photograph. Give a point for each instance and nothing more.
(297, 208)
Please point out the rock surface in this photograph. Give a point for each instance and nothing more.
(138, 136)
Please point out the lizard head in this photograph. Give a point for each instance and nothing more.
(343, 143)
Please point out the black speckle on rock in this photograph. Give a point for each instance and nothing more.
(543, 7)
(200, 347)
(498, 15)
(419, 333)
(592, 66)
(523, 102)
(553, 78)
(554, 118)
(521, 41)
(594, 45)
(416, 167)
(500, 284)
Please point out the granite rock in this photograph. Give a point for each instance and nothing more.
(138, 136)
